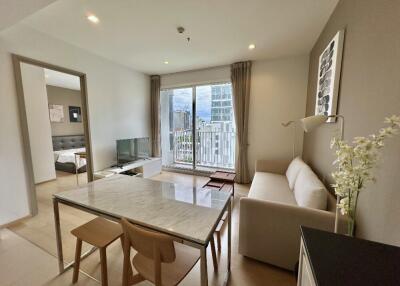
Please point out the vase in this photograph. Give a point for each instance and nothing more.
(350, 227)
(352, 214)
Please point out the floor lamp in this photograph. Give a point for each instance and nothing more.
(287, 124)
(310, 123)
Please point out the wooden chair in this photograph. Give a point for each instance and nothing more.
(159, 259)
(100, 233)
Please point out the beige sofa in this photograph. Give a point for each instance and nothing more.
(280, 200)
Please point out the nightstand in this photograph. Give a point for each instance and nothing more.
(328, 258)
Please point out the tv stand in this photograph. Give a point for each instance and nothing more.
(146, 167)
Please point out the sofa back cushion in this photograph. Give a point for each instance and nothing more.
(293, 170)
(309, 191)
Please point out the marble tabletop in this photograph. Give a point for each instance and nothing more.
(182, 211)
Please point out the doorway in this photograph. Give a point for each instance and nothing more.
(54, 122)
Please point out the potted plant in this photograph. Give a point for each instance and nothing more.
(355, 163)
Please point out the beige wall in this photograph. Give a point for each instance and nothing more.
(118, 102)
(66, 97)
(369, 91)
(278, 94)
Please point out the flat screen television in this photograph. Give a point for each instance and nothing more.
(130, 150)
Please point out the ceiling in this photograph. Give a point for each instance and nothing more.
(141, 34)
(61, 79)
(11, 11)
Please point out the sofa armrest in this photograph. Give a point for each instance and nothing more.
(270, 231)
(272, 166)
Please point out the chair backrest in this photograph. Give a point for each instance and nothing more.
(148, 243)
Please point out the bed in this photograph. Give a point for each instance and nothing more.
(64, 148)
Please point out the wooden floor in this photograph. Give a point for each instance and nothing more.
(36, 238)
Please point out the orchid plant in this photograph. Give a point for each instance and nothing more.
(355, 163)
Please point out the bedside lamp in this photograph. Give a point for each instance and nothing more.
(310, 123)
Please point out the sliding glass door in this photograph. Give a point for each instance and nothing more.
(177, 127)
(215, 129)
(197, 127)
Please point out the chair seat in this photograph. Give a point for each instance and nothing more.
(171, 273)
(98, 232)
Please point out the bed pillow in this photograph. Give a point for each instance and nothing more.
(293, 170)
(309, 191)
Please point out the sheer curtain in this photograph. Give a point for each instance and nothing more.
(241, 77)
(155, 82)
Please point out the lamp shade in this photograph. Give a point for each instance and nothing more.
(311, 122)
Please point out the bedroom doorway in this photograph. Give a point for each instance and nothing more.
(55, 128)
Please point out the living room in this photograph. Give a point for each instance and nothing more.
(237, 94)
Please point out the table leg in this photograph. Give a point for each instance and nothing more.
(58, 236)
(76, 171)
(203, 266)
(229, 234)
(214, 254)
(229, 218)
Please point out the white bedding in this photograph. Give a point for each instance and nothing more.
(68, 156)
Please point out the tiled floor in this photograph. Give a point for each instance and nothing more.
(22, 263)
(34, 263)
(40, 229)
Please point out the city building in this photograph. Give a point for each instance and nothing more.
(221, 103)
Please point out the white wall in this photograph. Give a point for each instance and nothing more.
(37, 114)
(13, 198)
(118, 107)
(278, 94)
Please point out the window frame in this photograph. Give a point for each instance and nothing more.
(193, 86)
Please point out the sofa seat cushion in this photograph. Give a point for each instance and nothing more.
(271, 187)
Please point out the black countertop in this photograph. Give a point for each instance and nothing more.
(341, 260)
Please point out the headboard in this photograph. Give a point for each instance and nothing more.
(68, 142)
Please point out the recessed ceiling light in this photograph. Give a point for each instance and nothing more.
(166, 62)
(93, 18)
(252, 47)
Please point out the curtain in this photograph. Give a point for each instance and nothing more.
(155, 82)
(241, 76)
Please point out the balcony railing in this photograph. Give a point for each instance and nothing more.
(213, 148)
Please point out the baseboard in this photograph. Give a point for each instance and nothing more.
(187, 172)
(6, 225)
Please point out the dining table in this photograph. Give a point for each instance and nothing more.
(188, 214)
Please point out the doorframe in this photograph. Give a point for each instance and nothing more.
(17, 60)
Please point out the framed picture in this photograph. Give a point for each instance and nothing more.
(56, 113)
(329, 67)
(75, 114)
